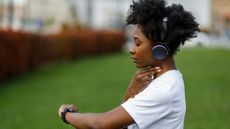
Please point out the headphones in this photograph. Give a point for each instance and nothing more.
(161, 50)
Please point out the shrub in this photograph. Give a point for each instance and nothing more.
(20, 51)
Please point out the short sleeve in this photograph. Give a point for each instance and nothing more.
(149, 106)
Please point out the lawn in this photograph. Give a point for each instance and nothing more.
(98, 83)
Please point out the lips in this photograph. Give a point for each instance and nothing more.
(134, 59)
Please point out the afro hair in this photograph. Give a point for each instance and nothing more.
(149, 14)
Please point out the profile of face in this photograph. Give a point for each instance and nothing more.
(141, 49)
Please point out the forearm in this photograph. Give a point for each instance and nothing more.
(83, 121)
(114, 119)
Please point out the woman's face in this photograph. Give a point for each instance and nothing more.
(141, 50)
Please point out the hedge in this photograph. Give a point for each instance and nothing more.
(20, 51)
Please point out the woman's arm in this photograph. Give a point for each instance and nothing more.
(115, 119)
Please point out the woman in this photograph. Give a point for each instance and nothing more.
(155, 98)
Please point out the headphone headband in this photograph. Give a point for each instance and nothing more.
(161, 50)
(164, 28)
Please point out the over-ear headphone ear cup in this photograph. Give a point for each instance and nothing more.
(160, 52)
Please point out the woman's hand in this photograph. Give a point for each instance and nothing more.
(141, 80)
(64, 106)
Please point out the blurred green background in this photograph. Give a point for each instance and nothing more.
(98, 84)
(34, 33)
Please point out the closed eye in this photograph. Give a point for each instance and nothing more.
(137, 42)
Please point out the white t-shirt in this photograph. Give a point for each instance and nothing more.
(161, 105)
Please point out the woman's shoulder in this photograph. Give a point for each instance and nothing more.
(167, 82)
(168, 78)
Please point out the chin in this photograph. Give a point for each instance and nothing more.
(138, 66)
(141, 66)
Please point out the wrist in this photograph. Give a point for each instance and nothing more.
(133, 90)
(130, 93)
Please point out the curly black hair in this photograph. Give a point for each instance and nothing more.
(149, 14)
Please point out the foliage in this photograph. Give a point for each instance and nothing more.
(21, 51)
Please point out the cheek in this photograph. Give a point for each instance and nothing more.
(147, 55)
(149, 58)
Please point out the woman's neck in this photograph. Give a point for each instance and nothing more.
(166, 65)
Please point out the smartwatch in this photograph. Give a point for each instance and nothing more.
(63, 114)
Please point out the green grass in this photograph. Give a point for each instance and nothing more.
(97, 84)
(207, 79)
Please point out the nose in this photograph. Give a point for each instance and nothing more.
(131, 50)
